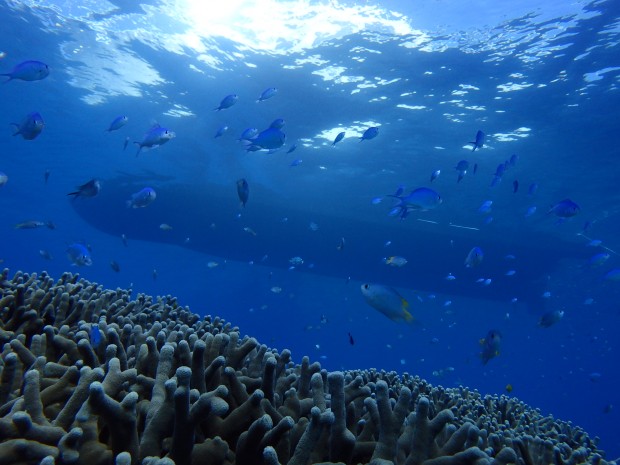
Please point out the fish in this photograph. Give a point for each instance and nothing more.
(387, 301)
(165, 227)
(32, 224)
(267, 94)
(435, 174)
(292, 149)
(461, 168)
(30, 127)
(530, 211)
(513, 160)
(421, 198)
(3, 179)
(277, 123)
(30, 70)
(474, 257)
(550, 318)
(142, 198)
(515, 186)
(155, 137)
(88, 189)
(491, 345)
(115, 266)
(126, 143)
(338, 138)
(45, 254)
(564, 209)
(250, 231)
(79, 255)
(340, 245)
(243, 191)
(395, 261)
(117, 123)
(351, 340)
(485, 207)
(479, 141)
(124, 239)
(612, 275)
(212, 264)
(227, 102)
(270, 139)
(296, 162)
(313, 226)
(450, 277)
(94, 335)
(370, 133)
(508, 388)
(220, 132)
(46, 175)
(532, 189)
(276, 289)
(296, 261)
(597, 260)
(248, 134)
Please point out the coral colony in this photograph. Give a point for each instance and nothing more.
(90, 376)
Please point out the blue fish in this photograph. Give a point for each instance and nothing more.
(220, 131)
(28, 71)
(30, 127)
(564, 209)
(227, 102)
(243, 191)
(370, 133)
(435, 174)
(474, 257)
(79, 255)
(277, 123)
(142, 198)
(515, 186)
(550, 318)
(479, 142)
(461, 168)
(387, 301)
(532, 189)
(155, 137)
(296, 162)
(248, 134)
(490, 345)
(267, 94)
(117, 123)
(421, 198)
(270, 139)
(89, 189)
(94, 334)
(292, 149)
(338, 138)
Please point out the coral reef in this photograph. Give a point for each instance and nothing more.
(90, 376)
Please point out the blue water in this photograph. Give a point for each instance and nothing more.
(540, 81)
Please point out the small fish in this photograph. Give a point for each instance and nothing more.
(550, 318)
(248, 134)
(510, 273)
(220, 132)
(250, 231)
(395, 261)
(292, 148)
(243, 191)
(612, 275)
(115, 266)
(124, 239)
(340, 245)
(530, 211)
(351, 340)
(46, 175)
(475, 170)
(30, 127)
(296, 261)
(3, 179)
(369, 133)
(126, 143)
(94, 335)
(532, 189)
(595, 377)
(297, 162)
(479, 142)
(89, 189)
(45, 254)
(461, 168)
(142, 198)
(212, 264)
(435, 174)
(155, 137)
(485, 207)
(450, 277)
(597, 260)
(35, 224)
(313, 226)
(227, 102)
(276, 289)
(338, 138)
(387, 243)
(508, 388)
(387, 301)
(491, 344)
(564, 209)
(267, 94)
(79, 254)
(513, 160)
(474, 257)
(515, 186)
(269, 139)
(30, 70)
(277, 123)
(165, 227)
(447, 303)
(594, 243)
(117, 123)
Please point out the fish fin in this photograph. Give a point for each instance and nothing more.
(408, 317)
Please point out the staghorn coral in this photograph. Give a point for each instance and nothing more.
(165, 386)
